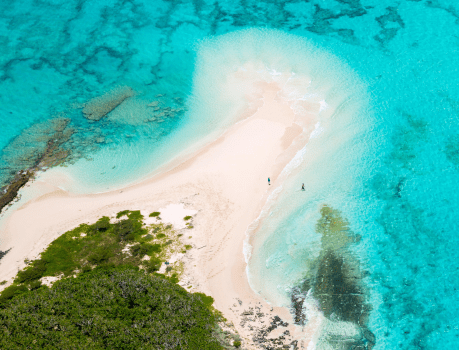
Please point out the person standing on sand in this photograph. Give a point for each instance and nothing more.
(302, 187)
(269, 181)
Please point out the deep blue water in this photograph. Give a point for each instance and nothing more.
(392, 172)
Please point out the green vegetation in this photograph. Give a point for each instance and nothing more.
(237, 344)
(11, 292)
(121, 213)
(116, 298)
(127, 241)
(154, 214)
(207, 300)
(186, 218)
(109, 308)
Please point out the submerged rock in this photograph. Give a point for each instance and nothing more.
(100, 106)
(37, 148)
(12, 190)
(335, 280)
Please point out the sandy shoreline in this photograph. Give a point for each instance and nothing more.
(225, 182)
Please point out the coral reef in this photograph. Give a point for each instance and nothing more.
(335, 281)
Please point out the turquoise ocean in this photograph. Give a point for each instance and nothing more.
(384, 153)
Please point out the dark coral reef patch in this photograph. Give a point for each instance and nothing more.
(335, 281)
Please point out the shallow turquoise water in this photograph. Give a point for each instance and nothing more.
(390, 163)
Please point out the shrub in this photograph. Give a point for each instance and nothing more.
(152, 265)
(207, 300)
(122, 213)
(117, 308)
(174, 278)
(100, 255)
(135, 215)
(160, 235)
(145, 248)
(34, 285)
(102, 225)
(33, 272)
(11, 291)
(139, 250)
(125, 230)
(187, 246)
(155, 248)
(237, 344)
(154, 214)
(186, 218)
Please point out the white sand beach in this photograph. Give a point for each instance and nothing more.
(225, 183)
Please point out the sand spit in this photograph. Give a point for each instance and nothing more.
(224, 185)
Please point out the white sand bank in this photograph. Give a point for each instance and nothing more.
(223, 186)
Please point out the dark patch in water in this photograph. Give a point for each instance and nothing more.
(337, 288)
(452, 150)
(50, 155)
(336, 282)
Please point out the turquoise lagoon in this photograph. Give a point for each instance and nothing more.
(385, 151)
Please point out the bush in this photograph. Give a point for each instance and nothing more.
(155, 248)
(152, 265)
(143, 249)
(139, 250)
(31, 273)
(102, 225)
(35, 285)
(186, 218)
(125, 230)
(207, 300)
(122, 213)
(117, 308)
(237, 344)
(154, 214)
(147, 237)
(100, 255)
(135, 215)
(10, 292)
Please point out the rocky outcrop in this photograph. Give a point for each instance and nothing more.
(52, 154)
(100, 106)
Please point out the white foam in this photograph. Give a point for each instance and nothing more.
(327, 99)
